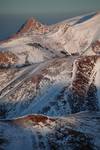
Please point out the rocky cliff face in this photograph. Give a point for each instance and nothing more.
(51, 71)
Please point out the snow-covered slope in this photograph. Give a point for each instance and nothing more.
(44, 133)
(56, 87)
(39, 90)
(54, 71)
(32, 46)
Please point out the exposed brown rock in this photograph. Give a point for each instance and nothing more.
(7, 58)
(30, 25)
(33, 25)
(36, 79)
(33, 119)
(84, 69)
(96, 47)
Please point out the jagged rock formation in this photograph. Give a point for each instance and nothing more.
(53, 71)
(33, 25)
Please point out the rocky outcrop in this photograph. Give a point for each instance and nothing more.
(83, 91)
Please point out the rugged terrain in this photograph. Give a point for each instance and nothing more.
(50, 86)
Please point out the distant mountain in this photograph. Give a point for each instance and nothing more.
(54, 71)
(32, 25)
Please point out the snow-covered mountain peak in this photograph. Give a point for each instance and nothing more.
(50, 86)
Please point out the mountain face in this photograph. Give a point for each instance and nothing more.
(40, 132)
(50, 86)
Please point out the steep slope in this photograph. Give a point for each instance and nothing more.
(33, 90)
(32, 25)
(77, 38)
(56, 87)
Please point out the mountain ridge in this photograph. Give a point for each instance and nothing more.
(50, 86)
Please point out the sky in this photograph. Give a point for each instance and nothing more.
(47, 6)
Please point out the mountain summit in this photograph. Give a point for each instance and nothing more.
(32, 25)
(50, 86)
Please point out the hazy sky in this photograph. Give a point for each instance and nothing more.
(47, 6)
